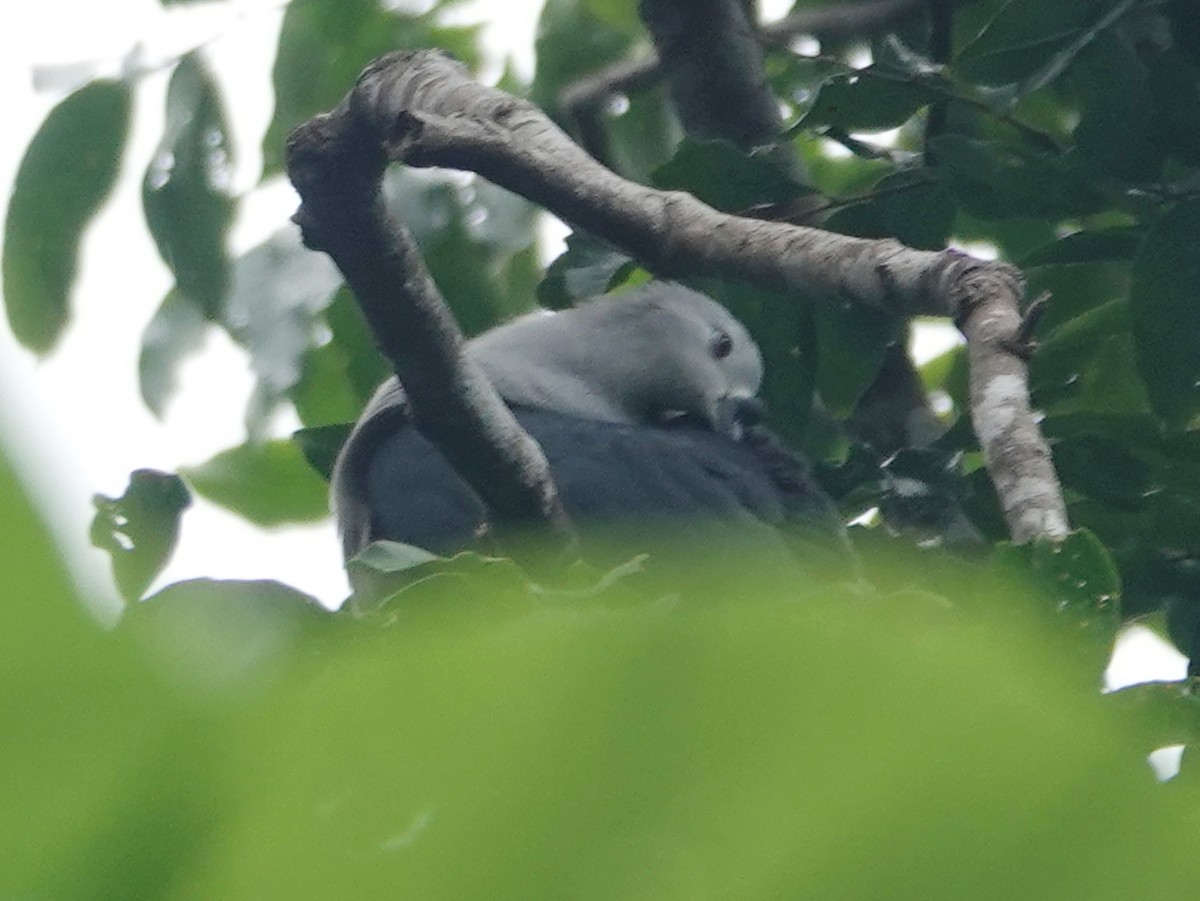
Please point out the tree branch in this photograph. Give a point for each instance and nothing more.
(336, 161)
(431, 114)
(582, 98)
(710, 56)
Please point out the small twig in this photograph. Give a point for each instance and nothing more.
(1022, 344)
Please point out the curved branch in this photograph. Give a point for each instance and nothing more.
(433, 115)
(336, 161)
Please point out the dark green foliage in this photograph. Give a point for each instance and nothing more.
(323, 46)
(139, 529)
(66, 173)
(186, 191)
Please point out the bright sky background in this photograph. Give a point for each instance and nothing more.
(74, 423)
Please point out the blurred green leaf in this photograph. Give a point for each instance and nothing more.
(67, 171)
(111, 779)
(320, 445)
(1087, 584)
(870, 99)
(1175, 89)
(1116, 108)
(851, 341)
(1034, 41)
(470, 238)
(325, 396)
(187, 193)
(222, 637)
(140, 528)
(1088, 365)
(575, 38)
(1107, 245)
(365, 365)
(669, 751)
(279, 288)
(1165, 315)
(908, 205)
(268, 484)
(724, 177)
(996, 180)
(175, 333)
(325, 44)
(587, 268)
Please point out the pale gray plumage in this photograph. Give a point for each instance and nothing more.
(659, 368)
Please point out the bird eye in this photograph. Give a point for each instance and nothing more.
(722, 345)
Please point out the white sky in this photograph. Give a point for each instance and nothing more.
(74, 423)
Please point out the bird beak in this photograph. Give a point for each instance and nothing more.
(736, 413)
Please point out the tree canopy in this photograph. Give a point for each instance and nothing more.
(935, 730)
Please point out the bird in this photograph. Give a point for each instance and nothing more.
(645, 405)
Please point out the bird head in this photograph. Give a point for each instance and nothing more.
(650, 355)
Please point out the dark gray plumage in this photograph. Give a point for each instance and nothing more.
(644, 404)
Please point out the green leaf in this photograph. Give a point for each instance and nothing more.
(139, 530)
(106, 770)
(1087, 364)
(1116, 107)
(221, 636)
(1034, 41)
(365, 365)
(175, 333)
(325, 44)
(870, 99)
(66, 173)
(1103, 469)
(1166, 316)
(574, 39)
(278, 290)
(996, 180)
(851, 342)
(1085, 583)
(186, 192)
(321, 444)
(1106, 246)
(268, 483)
(587, 268)
(1175, 89)
(1185, 28)
(724, 177)
(910, 206)
(467, 237)
(325, 396)
(669, 751)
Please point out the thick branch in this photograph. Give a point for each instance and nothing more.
(336, 161)
(435, 116)
(711, 58)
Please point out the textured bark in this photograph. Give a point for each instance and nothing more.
(424, 111)
(336, 161)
